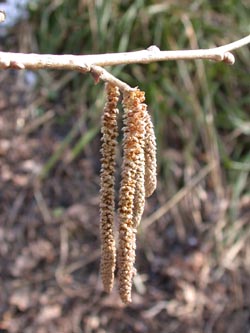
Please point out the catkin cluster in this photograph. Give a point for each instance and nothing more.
(138, 181)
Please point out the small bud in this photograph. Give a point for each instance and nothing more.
(17, 65)
(2, 16)
(229, 58)
(153, 48)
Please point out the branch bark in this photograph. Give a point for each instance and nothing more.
(94, 63)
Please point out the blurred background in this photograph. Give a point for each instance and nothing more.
(193, 252)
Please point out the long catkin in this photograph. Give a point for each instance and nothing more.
(150, 157)
(132, 180)
(107, 192)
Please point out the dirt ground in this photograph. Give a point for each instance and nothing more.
(50, 249)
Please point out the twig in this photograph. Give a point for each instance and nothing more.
(100, 73)
(92, 63)
(178, 196)
(38, 122)
(16, 207)
(41, 203)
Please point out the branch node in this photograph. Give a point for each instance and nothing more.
(100, 73)
(96, 76)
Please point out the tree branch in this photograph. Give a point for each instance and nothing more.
(92, 63)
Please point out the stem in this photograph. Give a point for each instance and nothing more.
(92, 63)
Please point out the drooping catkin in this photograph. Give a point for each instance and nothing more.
(109, 135)
(131, 184)
(139, 198)
(150, 157)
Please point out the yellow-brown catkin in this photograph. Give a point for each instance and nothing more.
(132, 175)
(107, 205)
(150, 157)
(139, 198)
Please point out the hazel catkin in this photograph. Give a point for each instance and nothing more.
(150, 157)
(132, 171)
(109, 135)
